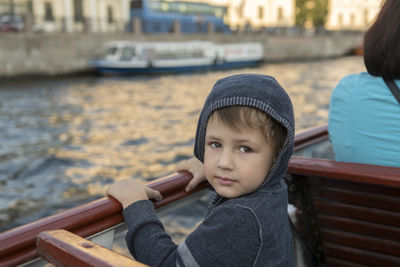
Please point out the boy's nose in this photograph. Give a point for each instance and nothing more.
(226, 160)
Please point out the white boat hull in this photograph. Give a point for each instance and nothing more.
(176, 57)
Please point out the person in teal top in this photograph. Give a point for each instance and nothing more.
(364, 115)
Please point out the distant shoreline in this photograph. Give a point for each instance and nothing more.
(10, 81)
(55, 55)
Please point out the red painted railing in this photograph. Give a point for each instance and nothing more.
(18, 245)
(310, 136)
(63, 248)
(348, 171)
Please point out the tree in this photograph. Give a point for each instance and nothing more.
(320, 13)
(301, 12)
(311, 13)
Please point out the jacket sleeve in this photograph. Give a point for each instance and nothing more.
(229, 236)
(146, 239)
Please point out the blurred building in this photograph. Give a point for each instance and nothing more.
(115, 15)
(352, 14)
(257, 14)
(188, 17)
(69, 15)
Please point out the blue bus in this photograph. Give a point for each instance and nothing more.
(158, 16)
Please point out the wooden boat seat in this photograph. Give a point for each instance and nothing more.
(348, 213)
(64, 248)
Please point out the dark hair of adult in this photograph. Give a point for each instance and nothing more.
(382, 42)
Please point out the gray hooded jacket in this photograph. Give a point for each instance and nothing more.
(251, 230)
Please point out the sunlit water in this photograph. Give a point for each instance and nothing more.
(63, 141)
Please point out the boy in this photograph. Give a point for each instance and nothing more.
(244, 139)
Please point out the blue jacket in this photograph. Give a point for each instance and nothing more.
(364, 121)
(250, 230)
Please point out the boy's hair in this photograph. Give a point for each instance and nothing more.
(236, 116)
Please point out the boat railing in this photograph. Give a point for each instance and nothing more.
(347, 213)
(101, 217)
(18, 245)
(310, 137)
(64, 248)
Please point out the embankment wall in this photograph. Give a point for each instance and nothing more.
(59, 54)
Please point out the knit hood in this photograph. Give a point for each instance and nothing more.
(258, 91)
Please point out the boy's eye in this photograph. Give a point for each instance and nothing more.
(245, 149)
(215, 145)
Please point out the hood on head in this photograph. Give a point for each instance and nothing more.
(258, 91)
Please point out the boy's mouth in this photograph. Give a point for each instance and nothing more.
(225, 180)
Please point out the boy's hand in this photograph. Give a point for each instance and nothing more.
(129, 191)
(196, 168)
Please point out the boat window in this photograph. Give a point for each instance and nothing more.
(127, 53)
(147, 54)
(179, 54)
(111, 50)
(105, 52)
(198, 53)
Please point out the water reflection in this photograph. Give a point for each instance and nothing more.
(64, 141)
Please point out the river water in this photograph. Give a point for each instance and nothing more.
(64, 140)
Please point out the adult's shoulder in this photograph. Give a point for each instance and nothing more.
(352, 84)
(354, 79)
(359, 79)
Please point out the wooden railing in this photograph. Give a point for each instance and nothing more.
(349, 213)
(63, 248)
(355, 172)
(310, 136)
(18, 245)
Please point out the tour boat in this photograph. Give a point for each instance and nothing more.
(346, 214)
(126, 57)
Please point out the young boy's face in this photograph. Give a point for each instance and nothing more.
(236, 162)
